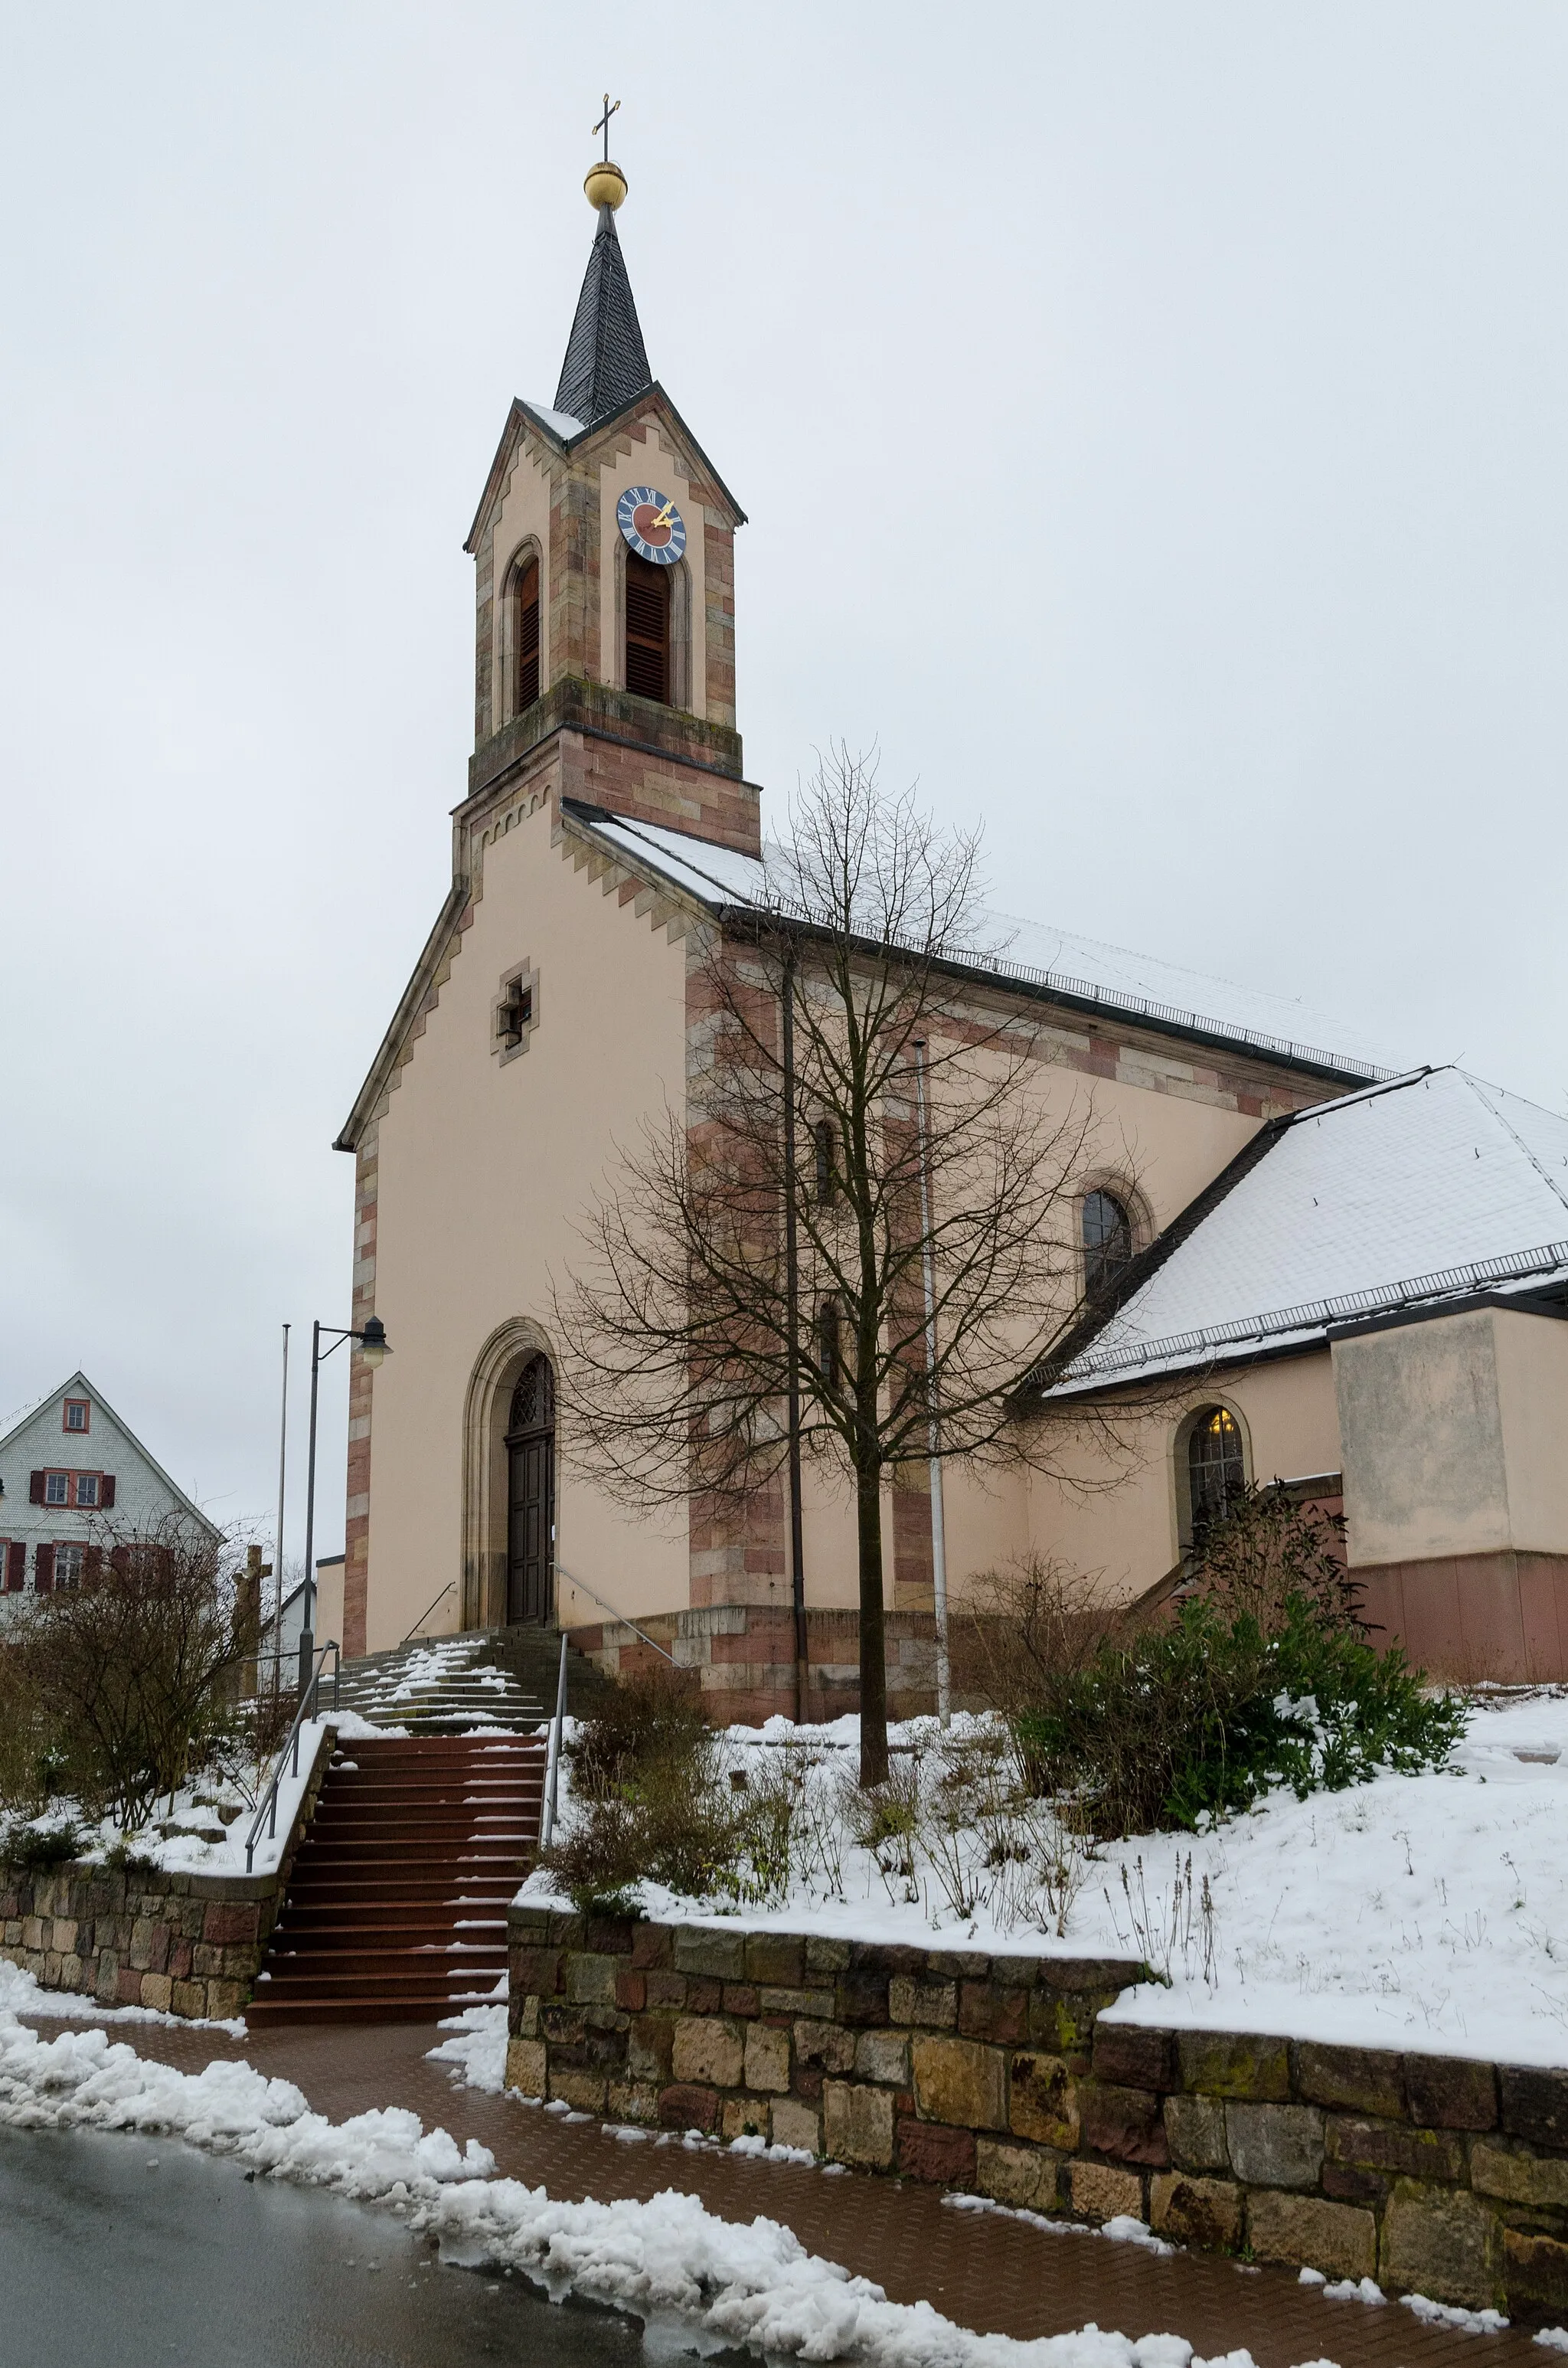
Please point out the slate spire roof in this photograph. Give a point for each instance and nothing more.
(607, 362)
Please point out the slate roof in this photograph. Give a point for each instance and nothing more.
(607, 362)
(1037, 954)
(1431, 1188)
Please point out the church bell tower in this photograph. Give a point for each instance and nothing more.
(604, 551)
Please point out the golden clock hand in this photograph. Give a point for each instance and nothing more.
(666, 515)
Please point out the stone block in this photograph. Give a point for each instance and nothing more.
(631, 1992)
(633, 2100)
(649, 2047)
(776, 1958)
(721, 1955)
(590, 1981)
(1230, 2064)
(934, 2154)
(824, 2047)
(653, 1948)
(1306, 2233)
(609, 1936)
(742, 1998)
(1206, 2212)
(958, 2081)
(862, 1997)
(1195, 2129)
(666, 1992)
(766, 2056)
(742, 2117)
(128, 1991)
(1129, 2056)
(1061, 2026)
(933, 2004)
(563, 2025)
(796, 2124)
(1097, 2191)
(882, 2056)
(63, 1935)
(825, 1956)
(684, 2106)
(1534, 2105)
(1348, 2184)
(229, 1924)
(1441, 2241)
(1450, 2092)
(1518, 2177)
(1125, 2122)
(1020, 2175)
(858, 2124)
(1043, 2102)
(707, 2048)
(814, 2005)
(526, 2067)
(989, 2011)
(1357, 2079)
(1274, 2145)
(704, 1993)
(1535, 2272)
(1395, 2148)
(578, 2085)
(225, 1999)
(1104, 1976)
(157, 1990)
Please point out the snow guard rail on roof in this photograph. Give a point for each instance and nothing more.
(1314, 1312)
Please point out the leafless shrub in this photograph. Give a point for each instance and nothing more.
(1023, 1628)
(1171, 1929)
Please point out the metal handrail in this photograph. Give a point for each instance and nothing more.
(552, 1763)
(584, 1589)
(428, 1609)
(310, 1697)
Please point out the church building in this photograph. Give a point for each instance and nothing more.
(1350, 1282)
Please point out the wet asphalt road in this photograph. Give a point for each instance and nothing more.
(105, 2263)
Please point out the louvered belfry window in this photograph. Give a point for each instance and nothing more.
(647, 630)
(525, 636)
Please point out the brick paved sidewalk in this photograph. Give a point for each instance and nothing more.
(981, 2269)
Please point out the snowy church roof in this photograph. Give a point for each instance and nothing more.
(1431, 1186)
(1035, 953)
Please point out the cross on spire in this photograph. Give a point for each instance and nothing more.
(603, 124)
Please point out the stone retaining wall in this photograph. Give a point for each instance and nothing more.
(189, 1945)
(1000, 2075)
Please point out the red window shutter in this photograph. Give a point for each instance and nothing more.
(43, 1569)
(106, 1491)
(35, 1488)
(15, 1566)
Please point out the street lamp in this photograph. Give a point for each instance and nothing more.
(375, 1349)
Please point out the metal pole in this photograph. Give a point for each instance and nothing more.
(792, 1317)
(555, 1753)
(277, 1547)
(307, 1632)
(933, 1431)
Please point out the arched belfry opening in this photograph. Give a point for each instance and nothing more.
(530, 1492)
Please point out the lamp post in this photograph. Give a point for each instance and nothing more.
(375, 1349)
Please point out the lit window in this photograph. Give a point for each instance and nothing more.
(87, 1488)
(76, 1414)
(57, 1487)
(1108, 1241)
(1216, 1468)
(68, 1562)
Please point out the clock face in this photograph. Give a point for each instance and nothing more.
(652, 525)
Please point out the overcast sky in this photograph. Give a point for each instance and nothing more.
(1150, 420)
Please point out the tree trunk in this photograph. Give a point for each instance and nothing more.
(873, 1657)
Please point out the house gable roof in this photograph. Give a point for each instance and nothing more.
(78, 1385)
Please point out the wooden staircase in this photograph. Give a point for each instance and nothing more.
(396, 1905)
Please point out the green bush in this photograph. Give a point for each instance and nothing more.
(39, 1846)
(1198, 1718)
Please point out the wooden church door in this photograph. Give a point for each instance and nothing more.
(530, 1500)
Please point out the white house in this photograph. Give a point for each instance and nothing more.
(69, 1471)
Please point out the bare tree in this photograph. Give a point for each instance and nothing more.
(699, 1312)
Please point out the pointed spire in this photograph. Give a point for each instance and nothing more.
(607, 362)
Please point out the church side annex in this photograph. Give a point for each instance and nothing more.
(607, 831)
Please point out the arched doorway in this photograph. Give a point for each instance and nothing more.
(530, 1492)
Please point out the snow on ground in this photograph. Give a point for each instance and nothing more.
(1428, 1912)
(684, 2271)
(478, 2047)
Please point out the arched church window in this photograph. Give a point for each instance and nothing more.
(822, 1142)
(522, 605)
(533, 1400)
(1216, 1468)
(829, 1351)
(647, 629)
(1108, 1241)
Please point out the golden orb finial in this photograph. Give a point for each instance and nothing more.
(606, 185)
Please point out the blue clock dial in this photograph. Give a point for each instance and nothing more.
(652, 526)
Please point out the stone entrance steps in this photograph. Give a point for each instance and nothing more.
(396, 1907)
